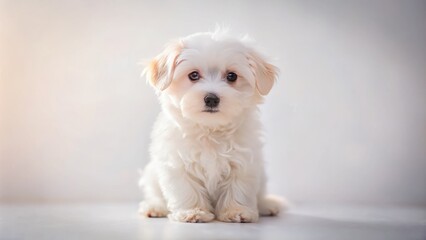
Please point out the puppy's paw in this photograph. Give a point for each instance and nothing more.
(195, 215)
(270, 205)
(153, 209)
(238, 215)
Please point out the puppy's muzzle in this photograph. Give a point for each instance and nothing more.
(211, 100)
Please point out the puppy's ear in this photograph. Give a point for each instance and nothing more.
(160, 70)
(265, 73)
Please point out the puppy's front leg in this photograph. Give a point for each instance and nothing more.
(238, 202)
(187, 200)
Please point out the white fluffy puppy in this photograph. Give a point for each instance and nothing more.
(206, 150)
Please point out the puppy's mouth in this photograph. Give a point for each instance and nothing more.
(211, 110)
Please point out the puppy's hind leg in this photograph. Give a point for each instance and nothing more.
(270, 205)
(154, 204)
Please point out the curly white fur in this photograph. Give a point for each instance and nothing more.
(207, 165)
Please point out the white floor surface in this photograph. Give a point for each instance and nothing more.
(120, 221)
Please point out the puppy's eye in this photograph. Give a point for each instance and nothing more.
(231, 77)
(194, 76)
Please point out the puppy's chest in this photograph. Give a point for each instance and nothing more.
(211, 156)
(212, 160)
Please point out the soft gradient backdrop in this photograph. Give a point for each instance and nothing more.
(346, 121)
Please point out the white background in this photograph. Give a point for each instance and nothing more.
(346, 121)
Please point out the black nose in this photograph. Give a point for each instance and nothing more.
(211, 100)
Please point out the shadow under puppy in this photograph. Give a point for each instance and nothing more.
(206, 150)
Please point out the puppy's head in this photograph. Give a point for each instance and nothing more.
(210, 78)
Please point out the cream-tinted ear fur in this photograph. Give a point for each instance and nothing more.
(160, 70)
(265, 73)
